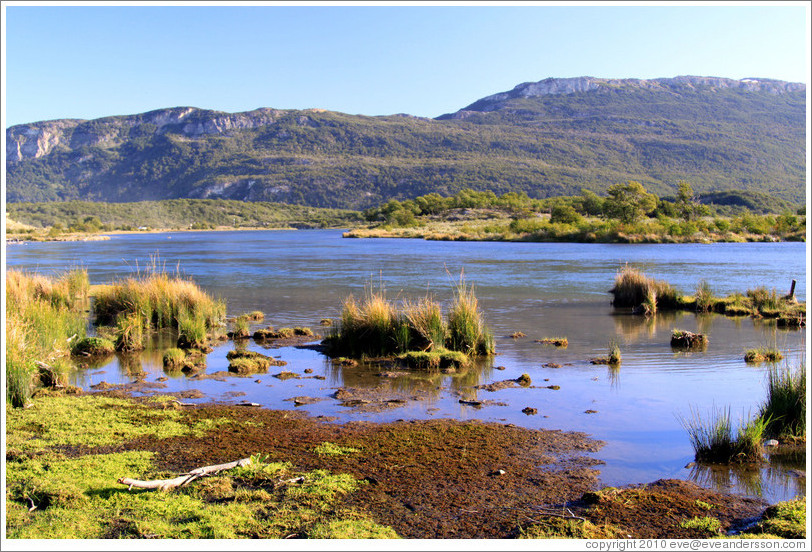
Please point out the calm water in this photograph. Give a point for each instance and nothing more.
(299, 277)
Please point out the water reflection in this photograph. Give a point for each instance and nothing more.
(775, 478)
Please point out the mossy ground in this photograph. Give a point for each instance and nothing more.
(66, 453)
(308, 479)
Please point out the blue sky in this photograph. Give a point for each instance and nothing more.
(94, 61)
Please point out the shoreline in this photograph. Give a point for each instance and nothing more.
(412, 477)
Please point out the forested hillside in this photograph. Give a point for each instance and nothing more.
(546, 139)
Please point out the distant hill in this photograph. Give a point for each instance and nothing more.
(547, 138)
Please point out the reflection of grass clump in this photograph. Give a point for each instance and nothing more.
(436, 359)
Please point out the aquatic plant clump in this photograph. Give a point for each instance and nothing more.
(43, 317)
(633, 288)
(713, 439)
(762, 354)
(785, 406)
(161, 300)
(466, 329)
(376, 327)
(683, 339)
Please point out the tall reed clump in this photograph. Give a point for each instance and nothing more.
(43, 315)
(377, 327)
(633, 288)
(704, 297)
(466, 328)
(156, 300)
(785, 406)
(714, 441)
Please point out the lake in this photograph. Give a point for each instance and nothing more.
(298, 278)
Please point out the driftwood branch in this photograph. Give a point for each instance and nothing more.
(184, 479)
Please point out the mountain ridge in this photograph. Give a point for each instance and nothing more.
(543, 138)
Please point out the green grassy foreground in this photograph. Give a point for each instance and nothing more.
(66, 453)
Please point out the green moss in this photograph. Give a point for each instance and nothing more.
(93, 346)
(785, 520)
(92, 421)
(79, 497)
(709, 525)
(559, 528)
(333, 449)
(361, 528)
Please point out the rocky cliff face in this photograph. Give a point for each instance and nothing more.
(682, 84)
(36, 140)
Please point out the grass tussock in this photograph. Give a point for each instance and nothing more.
(683, 339)
(159, 299)
(785, 406)
(377, 327)
(93, 346)
(562, 342)
(762, 354)
(714, 440)
(43, 317)
(633, 288)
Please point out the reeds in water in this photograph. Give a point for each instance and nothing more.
(466, 329)
(43, 316)
(785, 406)
(713, 439)
(633, 288)
(377, 327)
(160, 299)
